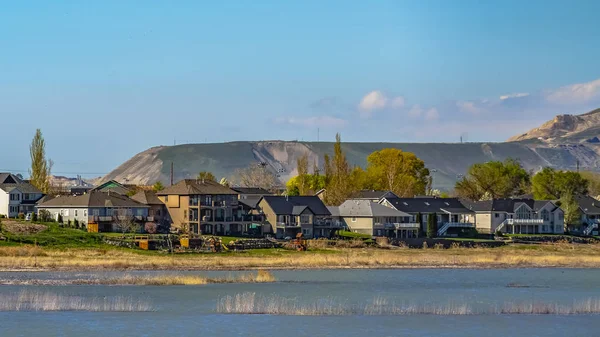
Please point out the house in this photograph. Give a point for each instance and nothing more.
(112, 186)
(288, 216)
(372, 218)
(517, 216)
(374, 195)
(207, 207)
(17, 196)
(251, 192)
(157, 211)
(452, 217)
(100, 211)
(589, 209)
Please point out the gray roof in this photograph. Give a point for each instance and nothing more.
(373, 194)
(251, 190)
(147, 198)
(193, 187)
(505, 205)
(23, 187)
(289, 205)
(92, 199)
(588, 204)
(250, 202)
(368, 208)
(334, 210)
(428, 205)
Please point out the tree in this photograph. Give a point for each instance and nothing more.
(257, 175)
(315, 183)
(397, 171)
(126, 222)
(206, 176)
(291, 187)
(303, 181)
(494, 179)
(338, 186)
(419, 220)
(549, 184)
(571, 210)
(431, 225)
(39, 174)
(158, 186)
(593, 179)
(224, 182)
(360, 180)
(45, 216)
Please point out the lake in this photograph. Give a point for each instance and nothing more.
(191, 310)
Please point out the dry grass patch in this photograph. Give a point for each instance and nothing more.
(15, 227)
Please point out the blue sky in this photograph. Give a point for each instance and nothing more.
(108, 79)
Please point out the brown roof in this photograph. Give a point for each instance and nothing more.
(147, 198)
(193, 186)
(92, 199)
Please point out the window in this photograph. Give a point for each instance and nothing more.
(85, 212)
(545, 215)
(96, 212)
(353, 219)
(140, 212)
(75, 212)
(62, 212)
(166, 198)
(66, 212)
(496, 215)
(304, 218)
(25, 196)
(305, 231)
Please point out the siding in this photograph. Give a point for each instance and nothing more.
(362, 225)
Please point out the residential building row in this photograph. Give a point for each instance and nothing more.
(207, 207)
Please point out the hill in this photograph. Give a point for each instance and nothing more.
(566, 129)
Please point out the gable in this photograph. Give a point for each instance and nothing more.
(521, 206)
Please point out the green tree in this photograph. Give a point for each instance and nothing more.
(494, 179)
(291, 187)
(432, 225)
(550, 184)
(339, 186)
(397, 171)
(206, 176)
(224, 182)
(419, 220)
(303, 178)
(39, 174)
(594, 182)
(570, 208)
(158, 186)
(360, 180)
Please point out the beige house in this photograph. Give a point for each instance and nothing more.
(288, 216)
(207, 207)
(157, 211)
(369, 217)
(517, 216)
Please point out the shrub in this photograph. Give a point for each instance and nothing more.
(76, 223)
(150, 228)
(60, 219)
(21, 216)
(34, 217)
(432, 225)
(45, 216)
(69, 223)
(499, 234)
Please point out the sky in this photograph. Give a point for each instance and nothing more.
(105, 80)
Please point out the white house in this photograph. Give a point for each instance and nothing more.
(17, 196)
(517, 216)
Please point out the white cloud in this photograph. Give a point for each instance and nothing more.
(469, 107)
(575, 93)
(377, 100)
(397, 102)
(314, 121)
(415, 111)
(432, 114)
(517, 95)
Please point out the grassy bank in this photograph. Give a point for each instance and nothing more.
(543, 255)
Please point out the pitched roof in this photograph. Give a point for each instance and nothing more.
(9, 178)
(368, 208)
(250, 202)
(251, 190)
(428, 205)
(334, 210)
(92, 199)
(505, 205)
(23, 187)
(588, 204)
(112, 186)
(147, 198)
(373, 194)
(289, 205)
(193, 186)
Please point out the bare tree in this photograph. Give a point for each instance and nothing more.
(125, 222)
(257, 175)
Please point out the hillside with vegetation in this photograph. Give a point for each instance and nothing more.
(549, 145)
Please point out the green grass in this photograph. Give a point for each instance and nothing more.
(469, 239)
(352, 235)
(57, 237)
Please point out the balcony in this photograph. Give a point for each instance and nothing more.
(406, 225)
(139, 218)
(525, 221)
(150, 218)
(207, 218)
(104, 218)
(330, 223)
(288, 224)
